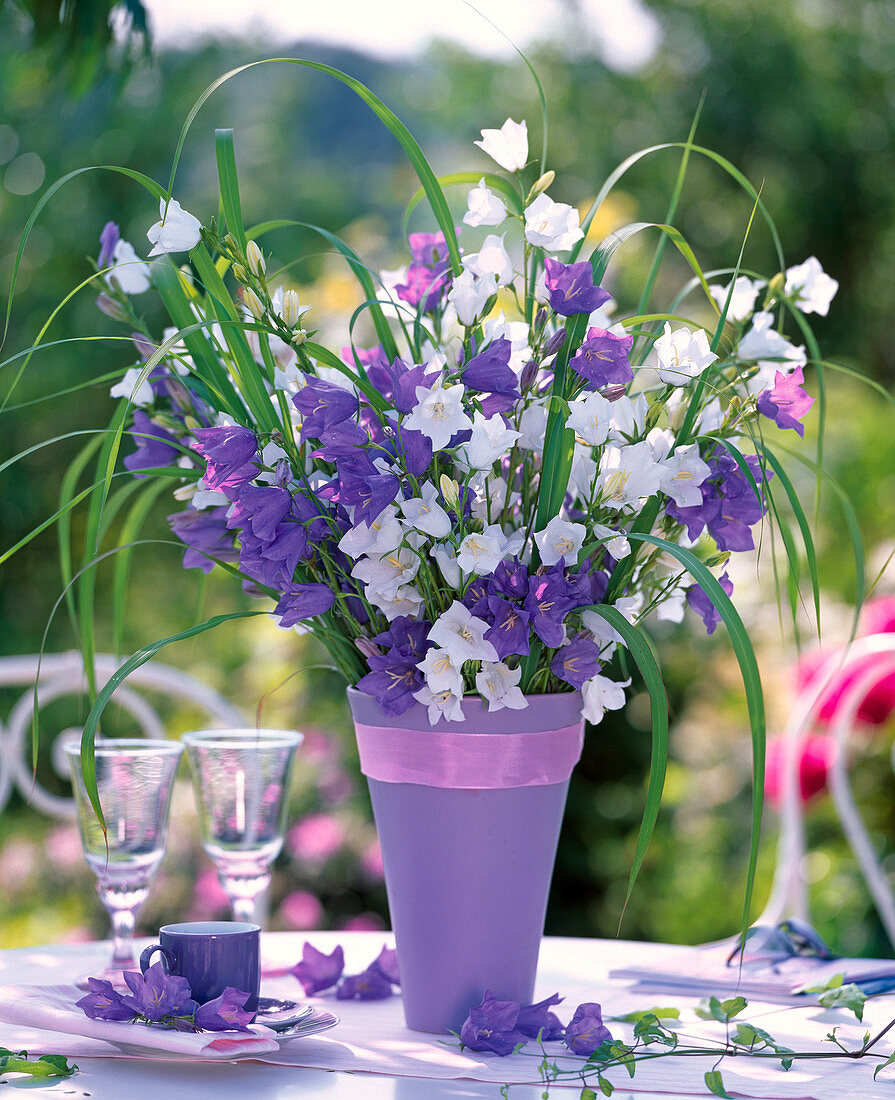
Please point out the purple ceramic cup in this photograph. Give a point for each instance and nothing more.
(211, 955)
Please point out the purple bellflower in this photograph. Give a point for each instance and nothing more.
(155, 446)
(156, 993)
(490, 372)
(317, 971)
(104, 1002)
(392, 680)
(491, 1026)
(303, 601)
(322, 405)
(586, 1031)
(108, 239)
(230, 454)
(205, 533)
(225, 1013)
(571, 288)
(787, 402)
(534, 1020)
(509, 630)
(701, 602)
(386, 962)
(370, 985)
(548, 603)
(576, 662)
(602, 360)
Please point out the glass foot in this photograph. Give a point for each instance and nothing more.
(112, 974)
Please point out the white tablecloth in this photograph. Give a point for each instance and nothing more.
(375, 1055)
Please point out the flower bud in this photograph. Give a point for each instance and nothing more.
(775, 289)
(368, 648)
(105, 303)
(253, 302)
(291, 312)
(255, 259)
(299, 337)
(231, 242)
(240, 274)
(555, 342)
(540, 184)
(540, 319)
(529, 375)
(450, 490)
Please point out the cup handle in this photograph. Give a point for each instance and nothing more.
(146, 957)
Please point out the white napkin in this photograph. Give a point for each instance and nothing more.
(53, 1008)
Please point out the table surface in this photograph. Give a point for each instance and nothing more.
(576, 968)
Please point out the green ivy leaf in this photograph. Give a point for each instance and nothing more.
(833, 983)
(847, 996)
(657, 1013)
(883, 1065)
(723, 1011)
(48, 1065)
(587, 1093)
(716, 1085)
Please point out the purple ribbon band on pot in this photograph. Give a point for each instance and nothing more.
(469, 760)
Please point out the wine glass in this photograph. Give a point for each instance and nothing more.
(134, 778)
(241, 778)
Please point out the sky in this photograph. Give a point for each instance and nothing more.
(623, 32)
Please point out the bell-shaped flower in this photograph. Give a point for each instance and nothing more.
(426, 514)
(462, 635)
(614, 541)
(533, 426)
(552, 225)
(441, 704)
(438, 413)
(470, 293)
(560, 539)
(446, 560)
(606, 636)
(682, 355)
(809, 287)
(742, 301)
(491, 259)
(380, 537)
(142, 394)
(480, 553)
(590, 417)
(383, 576)
(628, 418)
(681, 471)
(602, 694)
(770, 350)
(508, 146)
(442, 671)
(787, 402)
(176, 231)
(571, 288)
(491, 439)
(407, 601)
(498, 685)
(128, 270)
(484, 207)
(628, 475)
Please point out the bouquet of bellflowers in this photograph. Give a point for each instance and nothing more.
(509, 475)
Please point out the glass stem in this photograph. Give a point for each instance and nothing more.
(123, 938)
(245, 891)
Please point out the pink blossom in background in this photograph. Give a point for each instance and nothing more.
(301, 910)
(364, 922)
(75, 935)
(18, 862)
(317, 747)
(878, 616)
(63, 846)
(335, 785)
(315, 838)
(817, 754)
(371, 860)
(209, 898)
(878, 703)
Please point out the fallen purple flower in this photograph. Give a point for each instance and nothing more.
(586, 1031)
(156, 993)
(386, 963)
(370, 985)
(534, 1020)
(104, 1002)
(317, 971)
(225, 1013)
(491, 1026)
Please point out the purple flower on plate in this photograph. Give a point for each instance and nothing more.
(155, 446)
(230, 454)
(509, 629)
(702, 604)
(317, 971)
(303, 601)
(386, 962)
(104, 1002)
(156, 993)
(576, 662)
(602, 360)
(586, 1031)
(571, 287)
(534, 1020)
(371, 985)
(226, 1012)
(392, 680)
(787, 402)
(492, 1026)
(109, 237)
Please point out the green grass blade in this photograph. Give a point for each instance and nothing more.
(130, 529)
(88, 758)
(229, 184)
(745, 655)
(644, 656)
(63, 514)
(455, 179)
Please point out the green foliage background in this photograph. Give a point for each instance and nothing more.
(799, 96)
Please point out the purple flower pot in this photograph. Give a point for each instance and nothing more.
(468, 831)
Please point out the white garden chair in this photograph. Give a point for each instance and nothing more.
(62, 674)
(789, 893)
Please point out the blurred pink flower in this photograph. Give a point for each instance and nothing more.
(364, 922)
(301, 910)
(316, 838)
(317, 747)
(371, 860)
(335, 785)
(878, 616)
(63, 845)
(209, 898)
(18, 862)
(75, 935)
(817, 754)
